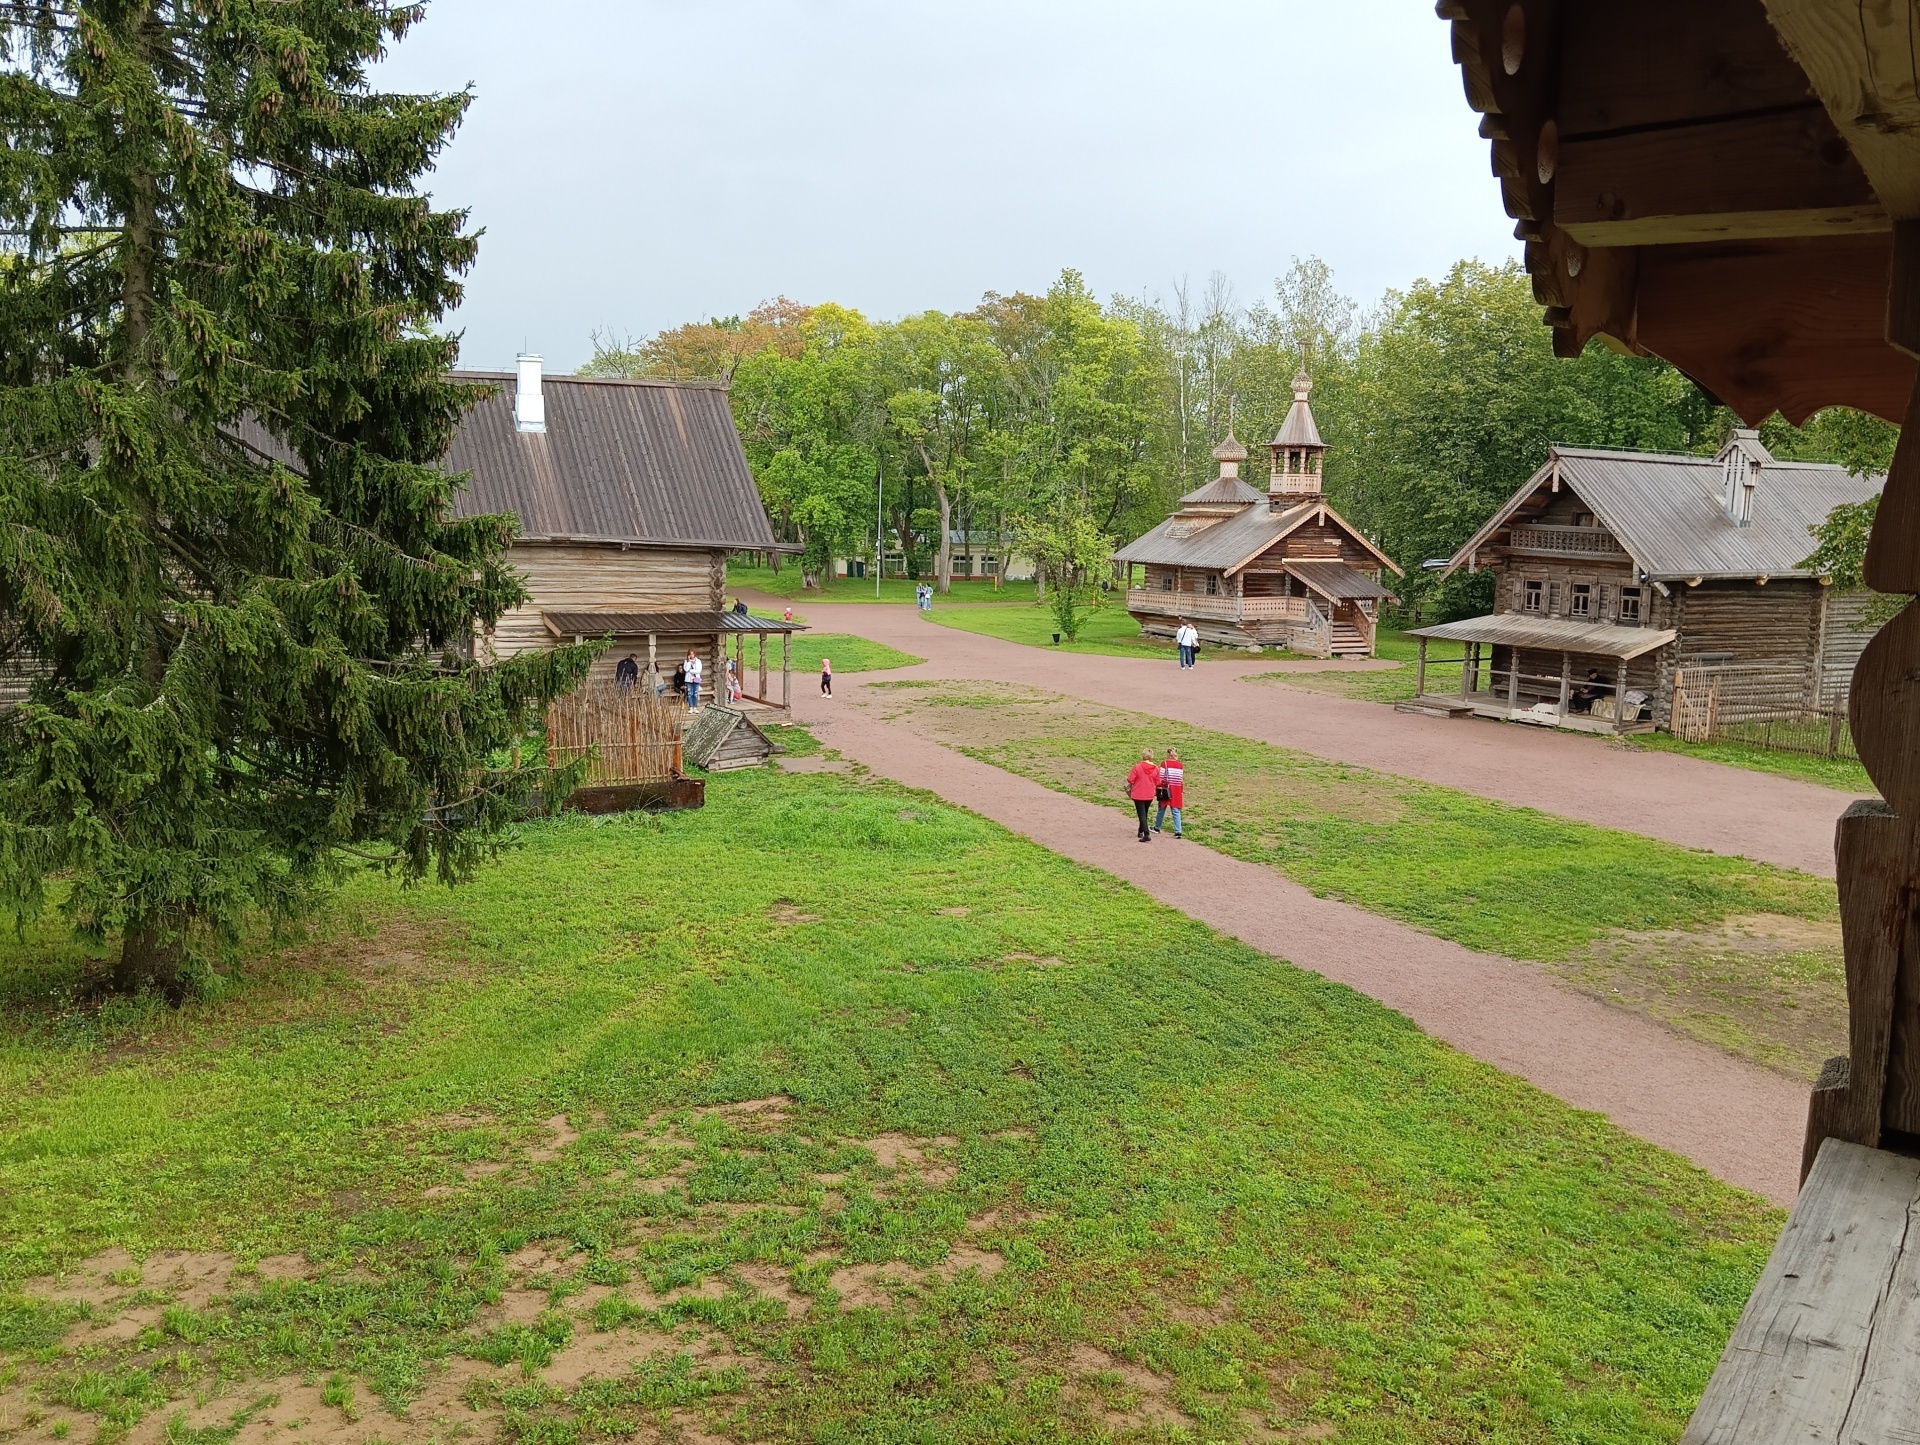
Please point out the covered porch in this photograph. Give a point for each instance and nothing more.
(1589, 691)
(718, 637)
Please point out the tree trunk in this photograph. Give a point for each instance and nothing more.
(943, 561)
(147, 965)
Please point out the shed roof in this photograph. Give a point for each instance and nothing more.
(650, 462)
(1337, 580)
(1549, 634)
(1667, 511)
(584, 623)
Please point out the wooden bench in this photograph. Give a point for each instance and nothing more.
(1828, 1348)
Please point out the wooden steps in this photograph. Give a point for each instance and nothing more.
(1350, 641)
(1428, 706)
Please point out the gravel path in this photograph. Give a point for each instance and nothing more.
(1661, 795)
(1736, 1120)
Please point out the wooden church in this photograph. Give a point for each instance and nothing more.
(1253, 569)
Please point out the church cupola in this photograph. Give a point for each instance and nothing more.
(1230, 454)
(1297, 450)
(1740, 462)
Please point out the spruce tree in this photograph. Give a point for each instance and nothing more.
(226, 551)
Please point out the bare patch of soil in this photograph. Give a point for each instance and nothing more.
(606, 1355)
(877, 1285)
(764, 1115)
(903, 1152)
(1120, 1394)
(785, 911)
(775, 1283)
(1767, 986)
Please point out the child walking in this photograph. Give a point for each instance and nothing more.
(826, 677)
(1172, 793)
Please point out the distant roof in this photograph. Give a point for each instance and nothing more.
(1298, 429)
(1231, 543)
(1668, 513)
(1517, 629)
(651, 462)
(639, 624)
(1222, 490)
(1336, 580)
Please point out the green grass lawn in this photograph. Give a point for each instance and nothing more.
(1030, 1158)
(1842, 773)
(849, 654)
(1107, 630)
(786, 583)
(1497, 878)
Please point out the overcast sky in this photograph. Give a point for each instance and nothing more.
(638, 163)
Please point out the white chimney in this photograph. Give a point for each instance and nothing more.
(529, 407)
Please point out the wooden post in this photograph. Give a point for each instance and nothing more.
(1513, 680)
(1620, 699)
(763, 667)
(786, 672)
(1566, 683)
(1420, 671)
(1466, 655)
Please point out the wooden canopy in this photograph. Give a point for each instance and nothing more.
(1721, 183)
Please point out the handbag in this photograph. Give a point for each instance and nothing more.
(1162, 795)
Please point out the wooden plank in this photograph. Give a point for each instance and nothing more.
(1686, 229)
(1870, 854)
(1793, 1368)
(1674, 180)
(1886, 1405)
(1651, 62)
(1794, 324)
(1860, 58)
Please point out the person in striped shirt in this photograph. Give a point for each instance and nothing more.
(1172, 792)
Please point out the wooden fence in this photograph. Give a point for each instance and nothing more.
(627, 734)
(1755, 703)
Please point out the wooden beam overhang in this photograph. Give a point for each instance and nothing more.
(1643, 145)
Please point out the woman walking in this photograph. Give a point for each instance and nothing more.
(1142, 784)
(826, 677)
(1172, 793)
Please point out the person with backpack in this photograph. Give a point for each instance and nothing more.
(1143, 783)
(1172, 792)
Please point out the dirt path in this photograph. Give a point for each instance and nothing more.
(1734, 1119)
(1678, 799)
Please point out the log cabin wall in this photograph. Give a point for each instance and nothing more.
(579, 576)
(1322, 541)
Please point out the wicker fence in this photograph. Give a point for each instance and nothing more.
(1761, 704)
(627, 734)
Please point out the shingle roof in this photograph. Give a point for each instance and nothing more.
(620, 461)
(1517, 629)
(1220, 546)
(1298, 430)
(568, 623)
(1336, 580)
(1222, 490)
(1667, 510)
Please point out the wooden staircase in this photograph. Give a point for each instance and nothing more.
(1350, 641)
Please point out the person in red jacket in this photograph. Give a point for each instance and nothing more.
(1173, 792)
(1142, 784)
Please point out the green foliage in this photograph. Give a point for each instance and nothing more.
(1072, 554)
(223, 535)
(1280, 1197)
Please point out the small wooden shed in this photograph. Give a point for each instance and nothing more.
(722, 738)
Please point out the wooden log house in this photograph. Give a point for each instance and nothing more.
(1254, 569)
(1618, 573)
(1735, 187)
(630, 495)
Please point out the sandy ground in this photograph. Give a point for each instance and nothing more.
(1736, 1120)
(1678, 799)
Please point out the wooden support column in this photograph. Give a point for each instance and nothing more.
(786, 672)
(1513, 679)
(1620, 698)
(1420, 671)
(1566, 683)
(1872, 1095)
(763, 667)
(1466, 656)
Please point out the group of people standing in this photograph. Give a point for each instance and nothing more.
(1164, 783)
(687, 676)
(923, 596)
(1186, 637)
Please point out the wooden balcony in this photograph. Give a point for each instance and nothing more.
(1567, 541)
(1153, 601)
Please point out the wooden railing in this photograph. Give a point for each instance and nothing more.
(1224, 608)
(1579, 541)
